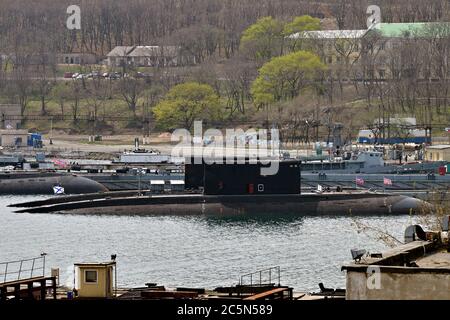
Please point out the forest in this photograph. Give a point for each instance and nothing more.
(238, 45)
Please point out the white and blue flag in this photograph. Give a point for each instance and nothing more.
(58, 190)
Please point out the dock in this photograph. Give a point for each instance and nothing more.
(18, 280)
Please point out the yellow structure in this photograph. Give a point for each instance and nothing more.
(95, 280)
(438, 153)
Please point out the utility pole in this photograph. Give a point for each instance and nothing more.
(92, 121)
(51, 130)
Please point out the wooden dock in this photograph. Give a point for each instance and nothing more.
(26, 289)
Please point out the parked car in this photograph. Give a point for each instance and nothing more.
(75, 75)
(115, 75)
(68, 75)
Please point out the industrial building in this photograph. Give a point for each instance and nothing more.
(439, 152)
(13, 138)
(416, 270)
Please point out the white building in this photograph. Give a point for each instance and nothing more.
(145, 56)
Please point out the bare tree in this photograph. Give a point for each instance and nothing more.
(130, 90)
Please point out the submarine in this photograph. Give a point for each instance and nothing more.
(29, 183)
(232, 190)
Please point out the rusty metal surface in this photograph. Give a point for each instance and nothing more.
(153, 294)
(270, 294)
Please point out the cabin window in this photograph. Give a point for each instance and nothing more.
(90, 276)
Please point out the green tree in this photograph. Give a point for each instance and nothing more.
(298, 26)
(185, 103)
(283, 77)
(263, 39)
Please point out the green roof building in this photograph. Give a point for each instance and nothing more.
(414, 29)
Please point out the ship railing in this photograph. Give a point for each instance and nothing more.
(261, 277)
(22, 269)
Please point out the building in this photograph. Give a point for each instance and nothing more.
(379, 44)
(388, 40)
(395, 131)
(333, 45)
(416, 270)
(119, 56)
(13, 138)
(146, 56)
(95, 280)
(76, 58)
(10, 116)
(438, 153)
(154, 56)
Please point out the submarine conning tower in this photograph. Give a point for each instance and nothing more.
(243, 176)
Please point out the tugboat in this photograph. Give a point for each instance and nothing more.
(143, 156)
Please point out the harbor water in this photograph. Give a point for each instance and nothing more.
(192, 251)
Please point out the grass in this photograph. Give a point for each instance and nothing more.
(114, 107)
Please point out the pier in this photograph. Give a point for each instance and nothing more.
(18, 280)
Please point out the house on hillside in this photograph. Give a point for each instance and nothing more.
(332, 44)
(154, 56)
(381, 44)
(147, 56)
(76, 58)
(119, 56)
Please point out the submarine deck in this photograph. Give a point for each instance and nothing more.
(364, 203)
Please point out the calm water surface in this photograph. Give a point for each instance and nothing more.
(192, 251)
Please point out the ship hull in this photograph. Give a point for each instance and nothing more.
(282, 205)
(29, 184)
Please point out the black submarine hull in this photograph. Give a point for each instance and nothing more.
(43, 183)
(235, 205)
